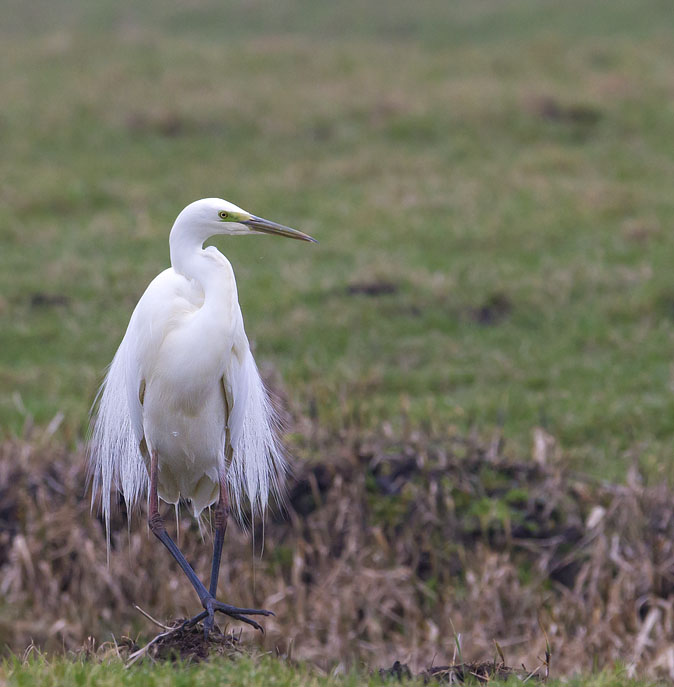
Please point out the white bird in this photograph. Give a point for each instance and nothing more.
(183, 413)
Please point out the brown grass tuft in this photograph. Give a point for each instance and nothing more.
(386, 547)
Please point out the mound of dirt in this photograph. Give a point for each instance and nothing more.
(185, 644)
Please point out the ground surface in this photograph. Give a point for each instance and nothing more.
(244, 672)
(491, 187)
(389, 551)
(504, 172)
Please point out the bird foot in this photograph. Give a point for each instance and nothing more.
(211, 605)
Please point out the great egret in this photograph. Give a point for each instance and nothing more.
(182, 412)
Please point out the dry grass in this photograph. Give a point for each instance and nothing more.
(388, 546)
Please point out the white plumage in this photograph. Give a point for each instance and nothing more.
(183, 413)
(184, 383)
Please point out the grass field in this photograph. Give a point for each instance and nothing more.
(507, 169)
(243, 672)
(491, 185)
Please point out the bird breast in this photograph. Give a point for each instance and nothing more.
(190, 339)
(184, 414)
(186, 333)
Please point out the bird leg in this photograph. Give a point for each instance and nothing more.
(207, 598)
(221, 518)
(157, 528)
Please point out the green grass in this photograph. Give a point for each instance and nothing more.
(266, 671)
(219, 672)
(469, 153)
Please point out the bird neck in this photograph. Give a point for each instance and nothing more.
(186, 248)
(211, 271)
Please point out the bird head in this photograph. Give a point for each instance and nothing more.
(211, 216)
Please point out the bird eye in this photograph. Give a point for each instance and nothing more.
(223, 214)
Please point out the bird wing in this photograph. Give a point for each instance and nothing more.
(116, 458)
(258, 464)
(167, 298)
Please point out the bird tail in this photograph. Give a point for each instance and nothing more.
(258, 466)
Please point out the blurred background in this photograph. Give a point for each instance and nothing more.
(476, 361)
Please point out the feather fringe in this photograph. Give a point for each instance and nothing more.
(258, 466)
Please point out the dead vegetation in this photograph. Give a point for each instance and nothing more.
(386, 548)
(179, 643)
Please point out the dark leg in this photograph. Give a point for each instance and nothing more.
(221, 518)
(157, 528)
(206, 597)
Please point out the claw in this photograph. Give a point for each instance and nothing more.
(193, 621)
(211, 605)
(241, 613)
(249, 621)
(229, 610)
